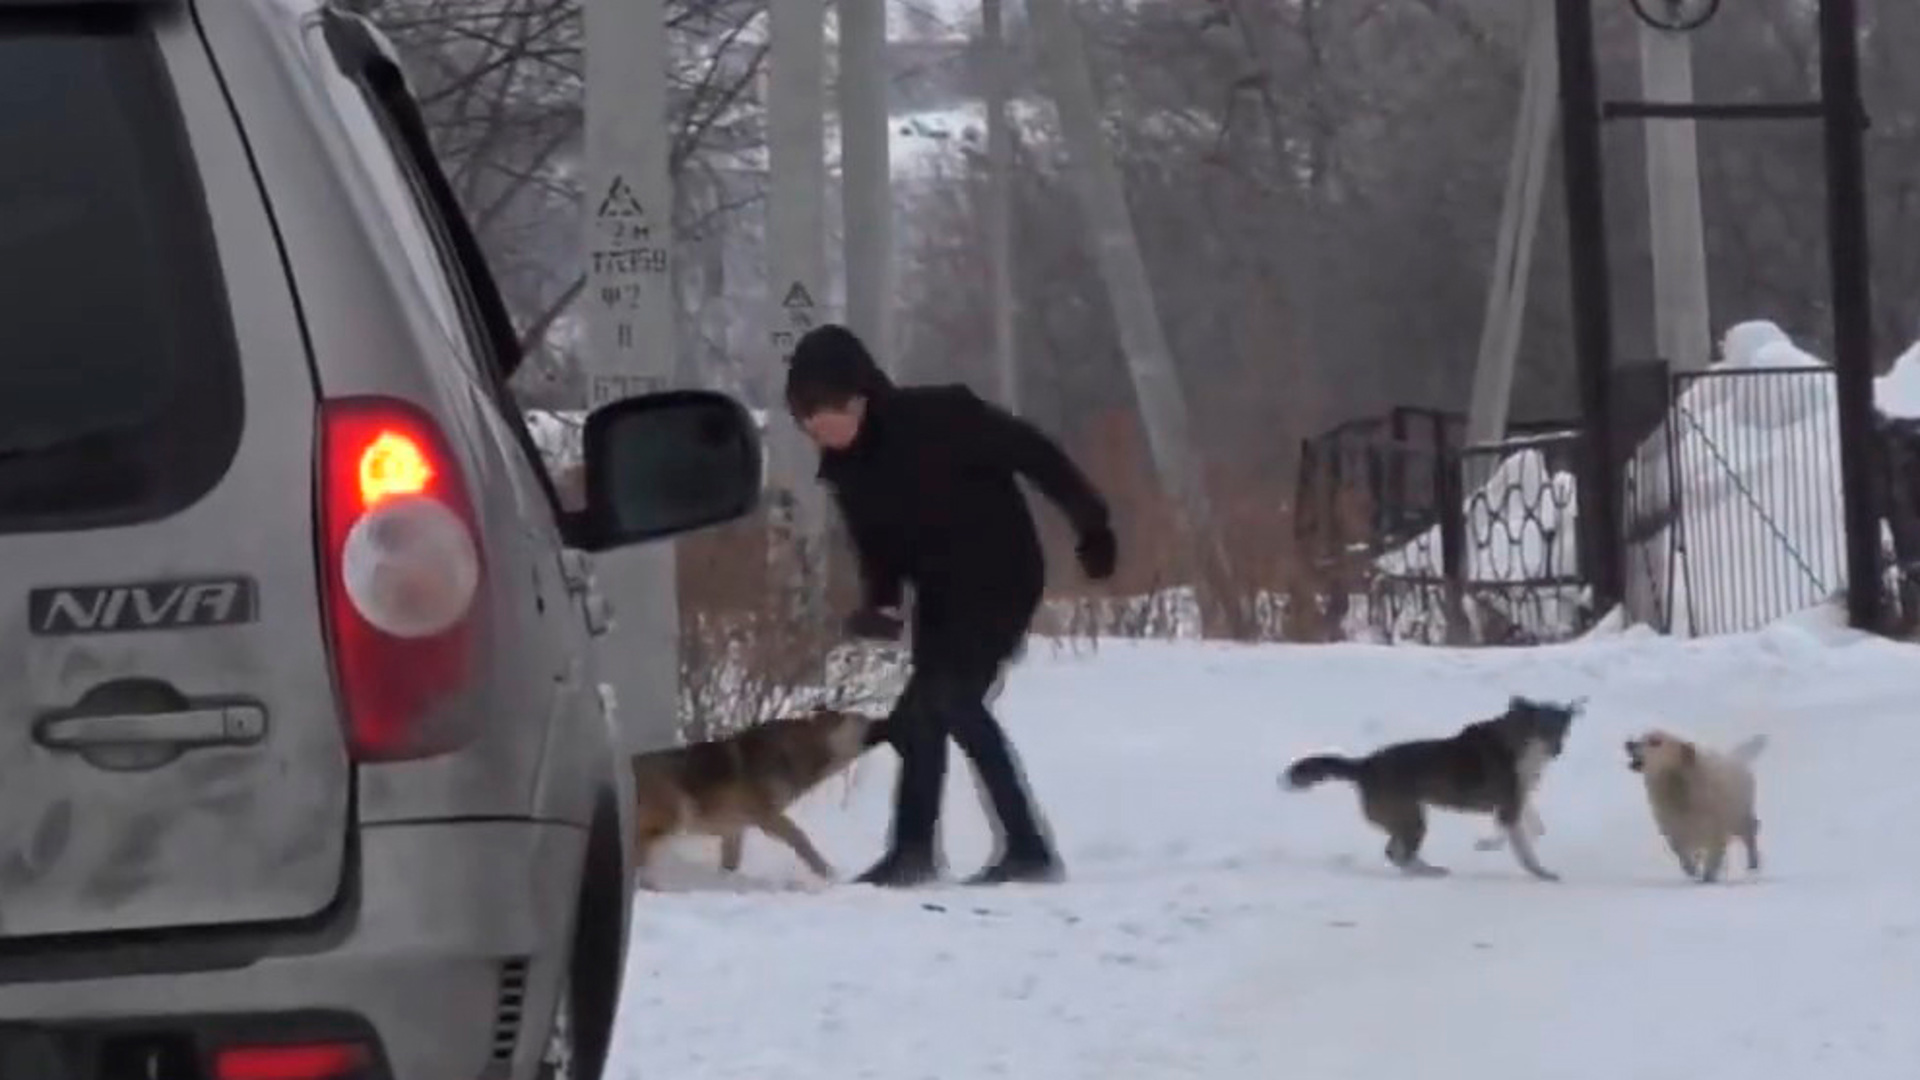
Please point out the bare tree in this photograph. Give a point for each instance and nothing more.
(501, 84)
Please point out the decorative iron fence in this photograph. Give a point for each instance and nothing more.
(1372, 482)
(1419, 539)
(1523, 569)
(1363, 488)
(1501, 566)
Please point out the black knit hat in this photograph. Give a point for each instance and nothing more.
(830, 367)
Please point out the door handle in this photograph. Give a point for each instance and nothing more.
(217, 725)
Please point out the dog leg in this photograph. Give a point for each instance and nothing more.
(1716, 857)
(1750, 836)
(1530, 819)
(1512, 821)
(781, 827)
(1409, 862)
(1684, 857)
(1523, 853)
(1403, 846)
(731, 845)
(1419, 867)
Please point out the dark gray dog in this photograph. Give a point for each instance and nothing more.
(1488, 767)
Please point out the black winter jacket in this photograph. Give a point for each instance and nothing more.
(928, 492)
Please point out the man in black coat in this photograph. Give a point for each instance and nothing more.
(926, 480)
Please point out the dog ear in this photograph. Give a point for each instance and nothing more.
(1516, 703)
(1688, 752)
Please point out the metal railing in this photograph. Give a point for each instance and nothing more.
(1372, 482)
(1502, 564)
(1444, 544)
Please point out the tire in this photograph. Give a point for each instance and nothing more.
(580, 1038)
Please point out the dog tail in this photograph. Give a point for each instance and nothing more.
(1749, 749)
(1309, 771)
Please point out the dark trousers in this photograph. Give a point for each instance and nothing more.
(945, 700)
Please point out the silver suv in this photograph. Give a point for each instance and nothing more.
(304, 769)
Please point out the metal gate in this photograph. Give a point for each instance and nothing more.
(1753, 464)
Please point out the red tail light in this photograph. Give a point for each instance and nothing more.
(304, 1061)
(404, 572)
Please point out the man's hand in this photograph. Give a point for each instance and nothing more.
(1098, 553)
(875, 624)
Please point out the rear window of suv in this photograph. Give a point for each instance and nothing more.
(120, 393)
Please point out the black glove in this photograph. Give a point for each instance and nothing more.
(1098, 553)
(874, 624)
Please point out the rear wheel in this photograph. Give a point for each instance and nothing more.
(581, 1036)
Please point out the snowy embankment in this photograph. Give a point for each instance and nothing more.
(1216, 927)
(1757, 463)
(1897, 393)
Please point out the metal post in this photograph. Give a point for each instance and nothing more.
(1581, 168)
(1449, 469)
(630, 316)
(1844, 123)
(866, 193)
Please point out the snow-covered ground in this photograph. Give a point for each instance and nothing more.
(1217, 927)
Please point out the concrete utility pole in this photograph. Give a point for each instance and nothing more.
(1683, 332)
(1156, 385)
(1501, 327)
(999, 216)
(628, 214)
(866, 180)
(796, 263)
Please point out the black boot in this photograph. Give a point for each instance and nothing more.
(1027, 855)
(922, 745)
(1031, 866)
(901, 869)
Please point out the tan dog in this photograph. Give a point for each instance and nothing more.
(749, 779)
(1701, 799)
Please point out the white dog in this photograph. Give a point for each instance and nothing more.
(1701, 799)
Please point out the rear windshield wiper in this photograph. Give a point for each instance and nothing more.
(60, 444)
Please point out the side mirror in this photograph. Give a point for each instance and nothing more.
(665, 463)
